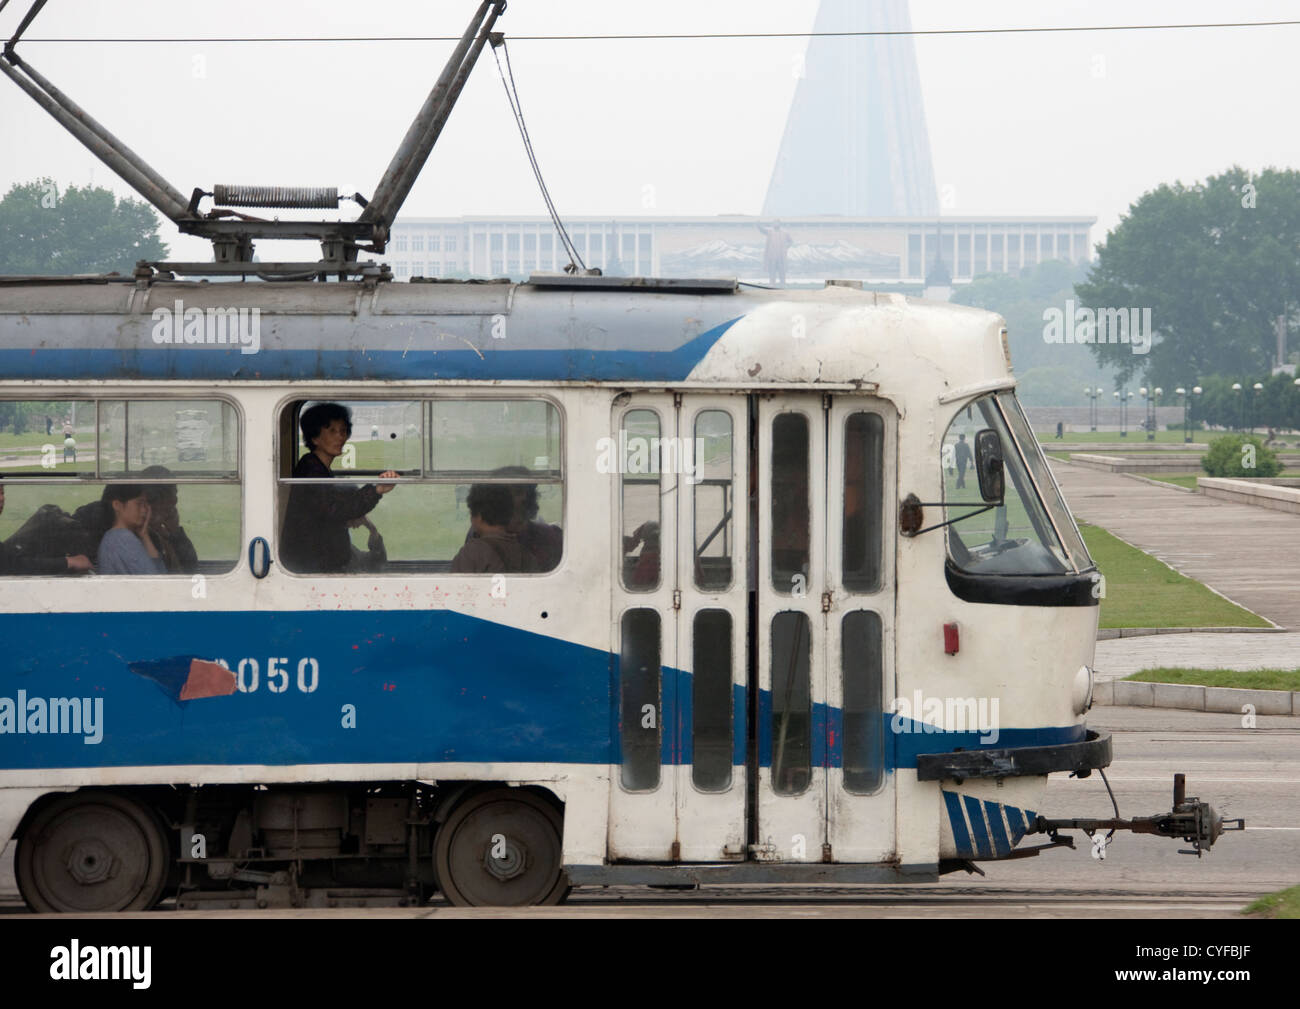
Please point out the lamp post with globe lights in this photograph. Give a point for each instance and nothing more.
(1151, 396)
(1187, 404)
(1123, 396)
(1092, 395)
(1236, 387)
(1256, 389)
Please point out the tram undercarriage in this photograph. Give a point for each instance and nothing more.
(397, 843)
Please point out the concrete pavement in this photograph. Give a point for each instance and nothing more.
(1251, 555)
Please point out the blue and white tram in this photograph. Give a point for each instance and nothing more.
(753, 659)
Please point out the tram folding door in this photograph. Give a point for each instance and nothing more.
(824, 629)
(680, 499)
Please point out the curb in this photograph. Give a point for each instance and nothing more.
(1109, 633)
(1189, 697)
(1159, 483)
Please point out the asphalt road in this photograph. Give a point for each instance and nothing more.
(1251, 773)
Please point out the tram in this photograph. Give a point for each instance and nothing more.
(791, 593)
(753, 658)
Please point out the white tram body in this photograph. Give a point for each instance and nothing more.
(795, 688)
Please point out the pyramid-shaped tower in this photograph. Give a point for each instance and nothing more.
(855, 142)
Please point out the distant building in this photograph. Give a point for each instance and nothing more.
(855, 141)
(879, 250)
(852, 186)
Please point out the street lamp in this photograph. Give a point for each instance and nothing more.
(1236, 387)
(1123, 396)
(1092, 395)
(1151, 396)
(1258, 387)
(1187, 404)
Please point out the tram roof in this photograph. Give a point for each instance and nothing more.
(625, 331)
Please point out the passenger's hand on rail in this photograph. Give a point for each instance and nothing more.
(384, 488)
(79, 563)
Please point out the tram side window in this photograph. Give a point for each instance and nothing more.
(712, 727)
(790, 510)
(640, 682)
(791, 703)
(641, 499)
(862, 675)
(714, 500)
(126, 486)
(863, 486)
(468, 486)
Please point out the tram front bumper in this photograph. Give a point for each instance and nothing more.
(1017, 761)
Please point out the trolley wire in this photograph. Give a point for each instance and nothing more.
(512, 96)
(678, 36)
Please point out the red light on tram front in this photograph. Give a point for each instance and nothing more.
(950, 640)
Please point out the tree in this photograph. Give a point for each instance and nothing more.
(1048, 374)
(1216, 262)
(44, 232)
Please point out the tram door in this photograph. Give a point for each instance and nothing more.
(678, 787)
(824, 629)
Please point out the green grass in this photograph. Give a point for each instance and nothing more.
(1243, 679)
(1140, 591)
(1188, 481)
(1283, 904)
(1163, 437)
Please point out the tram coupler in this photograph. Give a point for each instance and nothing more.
(1194, 821)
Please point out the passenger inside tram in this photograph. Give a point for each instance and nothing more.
(17, 559)
(315, 534)
(543, 541)
(165, 527)
(493, 548)
(129, 547)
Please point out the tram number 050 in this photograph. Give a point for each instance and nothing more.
(248, 675)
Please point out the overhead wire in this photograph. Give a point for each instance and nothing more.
(681, 36)
(512, 96)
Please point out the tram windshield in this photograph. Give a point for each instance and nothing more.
(1031, 532)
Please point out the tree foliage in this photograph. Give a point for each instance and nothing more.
(1048, 374)
(1216, 262)
(1230, 456)
(1276, 405)
(47, 232)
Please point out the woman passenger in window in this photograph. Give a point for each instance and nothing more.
(128, 548)
(541, 539)
(315, 537)
(165, 528)
(493, 548)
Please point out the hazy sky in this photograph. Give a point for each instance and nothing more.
(1065, 123)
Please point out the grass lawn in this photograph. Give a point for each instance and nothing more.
(1188, 480)
(1244, 679)
(1164, 437)
(1140, 591)
(1283, 904)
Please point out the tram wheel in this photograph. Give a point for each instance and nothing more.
(92, 851)
(501, 848)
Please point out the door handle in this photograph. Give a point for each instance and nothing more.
(252, 557)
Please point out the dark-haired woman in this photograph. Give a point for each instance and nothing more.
(315, 538)
(128, 548)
